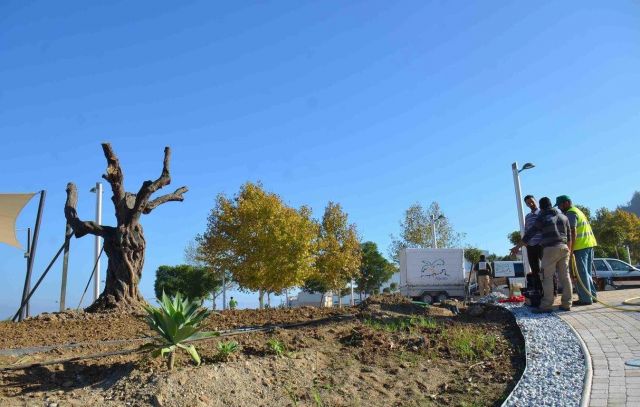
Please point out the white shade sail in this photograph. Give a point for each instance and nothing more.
(10, 207)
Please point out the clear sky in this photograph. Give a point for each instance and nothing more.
(372, 104)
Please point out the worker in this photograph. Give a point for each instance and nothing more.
(483, 275)
(233, 304)
(556, 239)
(534, 250)
(583, 241)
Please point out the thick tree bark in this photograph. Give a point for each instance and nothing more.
(124, 244)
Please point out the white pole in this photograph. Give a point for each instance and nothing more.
(351, 300)
(516, 184)
(433, 231)
(98, 242)
(224, 291)
(629, 255)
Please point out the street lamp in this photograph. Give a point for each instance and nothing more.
(516, 184)
(96, 278)
(434, 219)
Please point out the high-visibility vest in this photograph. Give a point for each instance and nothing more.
(584, 235)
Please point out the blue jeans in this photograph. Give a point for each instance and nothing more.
(584, 261)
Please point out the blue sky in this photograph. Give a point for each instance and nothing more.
(372, 104)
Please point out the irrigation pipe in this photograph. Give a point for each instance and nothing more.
(231, 332)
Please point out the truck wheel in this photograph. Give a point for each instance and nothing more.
(442, 298)
(426, 298)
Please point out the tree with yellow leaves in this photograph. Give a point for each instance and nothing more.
(339, 253)
(266, 245)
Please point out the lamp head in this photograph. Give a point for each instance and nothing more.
(526, 166)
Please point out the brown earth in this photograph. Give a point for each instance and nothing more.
(369, 360)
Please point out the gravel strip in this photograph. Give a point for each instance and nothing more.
(555, 370)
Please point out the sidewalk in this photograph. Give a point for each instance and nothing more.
(612, 338)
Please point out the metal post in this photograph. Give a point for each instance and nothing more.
(351, 299)
(516, 184)
(224, 291)
(433, 231)
(98, 242)
(32, 255)
(65, 267)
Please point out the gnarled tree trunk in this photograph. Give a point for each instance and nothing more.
(124, 244)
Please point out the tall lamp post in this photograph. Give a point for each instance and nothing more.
(516, 184)
(98, 244)
(434, 219)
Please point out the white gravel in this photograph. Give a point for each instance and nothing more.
(555, 364)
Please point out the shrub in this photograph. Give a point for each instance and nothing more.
(276, 347)
(177, 320)
(225, 349)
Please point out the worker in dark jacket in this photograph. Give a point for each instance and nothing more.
(556, 238)
(483, 275)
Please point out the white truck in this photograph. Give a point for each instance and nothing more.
(433, 275)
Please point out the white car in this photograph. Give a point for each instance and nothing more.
(615, 273)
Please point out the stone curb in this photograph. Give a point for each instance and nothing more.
(588, 367)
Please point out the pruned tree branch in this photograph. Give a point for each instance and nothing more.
(79, 227)
(149, 187)
(175, 196)
(115, 178)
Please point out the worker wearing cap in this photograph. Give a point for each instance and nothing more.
(582, 243)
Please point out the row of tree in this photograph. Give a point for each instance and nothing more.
(258, 242)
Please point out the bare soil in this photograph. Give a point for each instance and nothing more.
(361, 361)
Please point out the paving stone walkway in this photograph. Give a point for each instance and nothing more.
(612, 338)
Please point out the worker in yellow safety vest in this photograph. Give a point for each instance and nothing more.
(582, 243)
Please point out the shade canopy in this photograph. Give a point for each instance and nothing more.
(10, 207)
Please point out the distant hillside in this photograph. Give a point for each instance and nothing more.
(633, 205)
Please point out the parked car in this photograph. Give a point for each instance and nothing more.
(615, 273)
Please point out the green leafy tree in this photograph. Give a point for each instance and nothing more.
(375, 270)
(472, 254)
(266, 245)
(416, 230)
(194, 282)
(339, 255)
(615, 229)
(514, 237)
(196, 255)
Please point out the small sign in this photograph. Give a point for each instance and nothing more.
(482, 265)
(504, 269)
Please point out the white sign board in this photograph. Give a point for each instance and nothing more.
(503, 269)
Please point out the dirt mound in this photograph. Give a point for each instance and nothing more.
(387, 299)
(396, 303)
(403, 360)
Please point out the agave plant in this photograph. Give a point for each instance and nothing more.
(177, 320)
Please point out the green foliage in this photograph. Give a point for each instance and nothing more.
(266, 245)
(472, 254)
(339, 255)
(393, 287)
(192, 281)
(407, 324)
(276, 347)
(615, 229)
(375, 270)
(177, 320)
(514, 237)
(225, 349)
(470, 344)
(415, 230)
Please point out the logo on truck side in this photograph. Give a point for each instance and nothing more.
(434, 269)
